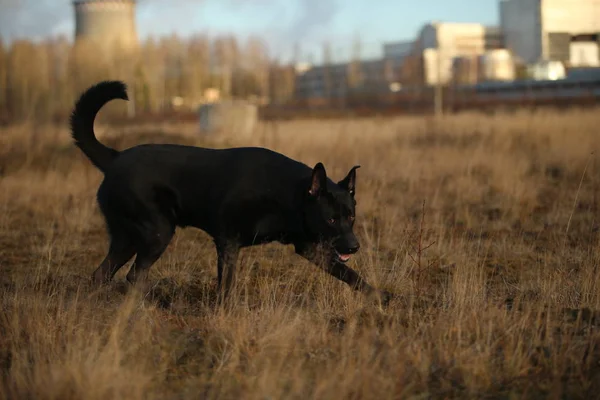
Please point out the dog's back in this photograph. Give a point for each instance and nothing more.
(200, 184)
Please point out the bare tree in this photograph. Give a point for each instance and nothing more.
(281, 82)
(355, 74)
(3, 82)
(297, 56)
(42, 80)
(151, 76)
(198, 62)
(25, 79)
(258, 63)
(227, 55)
(327, 73)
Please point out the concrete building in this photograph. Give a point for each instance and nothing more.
(107, 23)
(440, 43)
(322, 82)
(334, 82)
(231, 118)
(493, 38)
(552, 30)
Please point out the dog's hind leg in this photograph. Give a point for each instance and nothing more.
(227, 255)
(120, 251)
(150, 246)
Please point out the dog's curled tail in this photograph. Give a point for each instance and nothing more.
(84, 114)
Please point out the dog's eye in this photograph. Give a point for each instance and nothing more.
(331, 221)
(351, 217)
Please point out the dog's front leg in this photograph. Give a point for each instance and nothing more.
(227, 255)
(339, 270)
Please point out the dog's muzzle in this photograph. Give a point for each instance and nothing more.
(345, 256)
(342, 257)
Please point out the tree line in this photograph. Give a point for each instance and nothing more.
(41, 80)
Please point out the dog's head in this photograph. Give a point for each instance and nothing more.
(330, 212)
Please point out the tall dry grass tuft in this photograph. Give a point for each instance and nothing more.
(485, 226)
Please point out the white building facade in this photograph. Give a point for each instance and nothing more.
(440, 43)
(552, 30)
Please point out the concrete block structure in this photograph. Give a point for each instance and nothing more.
(107, 23)
(233, 118)
(552, 30)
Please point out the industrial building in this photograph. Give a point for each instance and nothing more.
(107, 23)
(429, 60)
(322, 82)
(318, 84)
(555, 42)
(552, 30)
(433, 58)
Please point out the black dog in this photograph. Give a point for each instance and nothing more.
(239, 196)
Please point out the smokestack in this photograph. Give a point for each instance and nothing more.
(108, 23)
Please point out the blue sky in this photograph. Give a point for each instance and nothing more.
(279, 22)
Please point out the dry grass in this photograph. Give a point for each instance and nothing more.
(500, 302)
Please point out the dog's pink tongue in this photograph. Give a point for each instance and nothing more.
(344, 257)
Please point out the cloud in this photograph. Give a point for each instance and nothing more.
(32, 18)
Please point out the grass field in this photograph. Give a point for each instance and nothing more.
(487, 228)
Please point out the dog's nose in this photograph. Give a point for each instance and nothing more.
(354, 249)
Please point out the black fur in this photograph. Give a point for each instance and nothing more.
(239, 196)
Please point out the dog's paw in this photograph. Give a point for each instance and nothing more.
(385, 297)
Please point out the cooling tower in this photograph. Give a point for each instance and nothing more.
(108, 23)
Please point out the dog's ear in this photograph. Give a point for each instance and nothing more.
(349, 182)
(319, 180)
